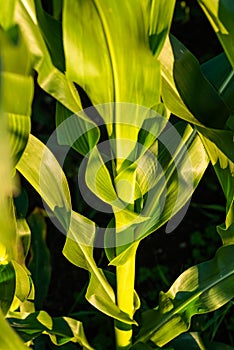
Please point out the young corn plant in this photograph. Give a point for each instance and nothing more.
(138, 170)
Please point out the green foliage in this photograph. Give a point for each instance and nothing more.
(60, 330)
(138, 171)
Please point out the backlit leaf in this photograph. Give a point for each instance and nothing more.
(99, 293)
(220, 14)
(61, 330)
(8, 338)
(7, 14)
(7, 286)
(41, 169)
(200, 289)
(51, 79)
(182, 80)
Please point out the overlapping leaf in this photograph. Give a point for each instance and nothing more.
(105, 77)
(172, 175)
(18, 87)
(60, 330)
(219, 72)
(7, 228)
(7, 286)
(51, 79)
(200, 289)
(220, 14)
(41, 169)
(7, 236)
(99, 292)
(7, 14)
(94, 26)
(224, 169)
(182, 80)
(8, 338)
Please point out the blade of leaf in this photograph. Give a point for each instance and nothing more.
(182, 78)
(224, 169)
(7, 229)
(200, 289)
(179, 176)
(220, 14)
(23, 240)
(161, 13)
(174, 181)
(52, 33)
(8, 338)
(41, 169)
(71, 130)
(50, 78)
(83, 39)
(7, 286)
(23, 286)
(220, 73)
(100, 294)
(78, 248)
(61, 330)
(17, 87)
(7, 14)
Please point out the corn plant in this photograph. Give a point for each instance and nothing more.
(138, 170)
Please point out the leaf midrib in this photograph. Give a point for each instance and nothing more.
(109, 46)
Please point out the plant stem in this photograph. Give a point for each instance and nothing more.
(125, 278)
(125, 298)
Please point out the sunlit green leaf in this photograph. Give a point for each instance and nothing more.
(8, 338)
(161, 13)
(43, 173)
(41, 169)
(84, 38)
(220, 14)
(23, 285)
(7, 14)
(173, 172)
(60, 330)
(200, 289)
(224, 169)
(182, 174)
(99, 293)
(50, 79)
(23, 240)
(7, 228)
(182, 80)
(7, 286)
(15, 56)
(71, 130)
(17, 87)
